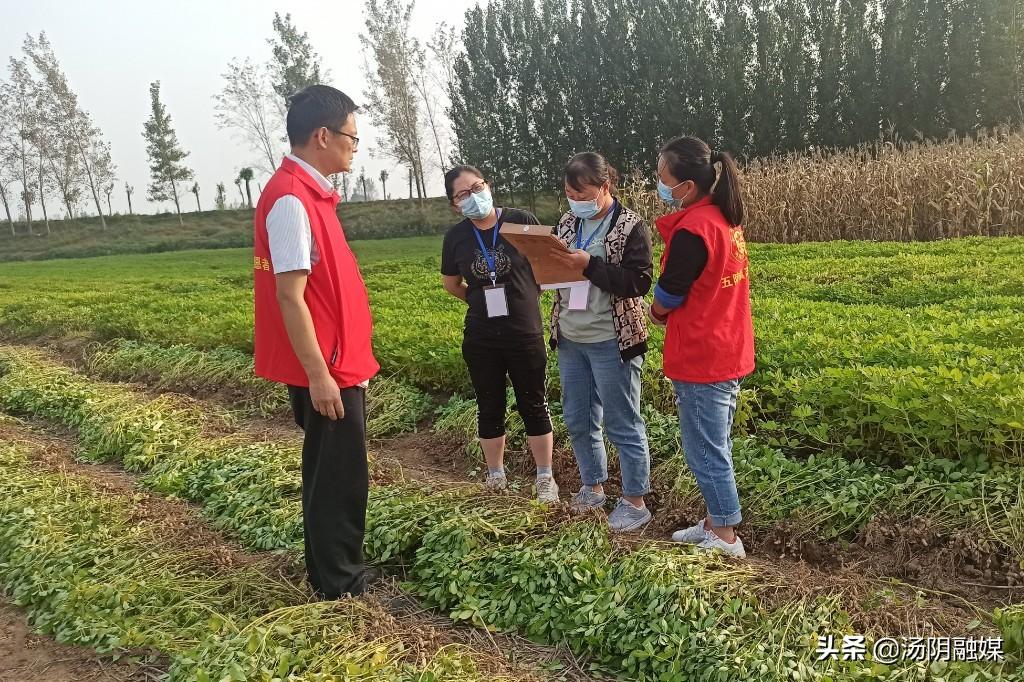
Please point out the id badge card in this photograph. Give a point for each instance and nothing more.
(497, 303)
(579, 296)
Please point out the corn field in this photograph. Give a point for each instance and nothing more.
(890, 190)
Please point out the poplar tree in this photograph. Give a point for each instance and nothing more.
(166, 157)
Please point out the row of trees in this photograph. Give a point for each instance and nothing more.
(405, 97)
(168, 172)
(541, 79)
(49, 145)
(529, 82)
(252, 103)
(407, 84)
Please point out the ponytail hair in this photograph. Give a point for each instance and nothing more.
(690, 158)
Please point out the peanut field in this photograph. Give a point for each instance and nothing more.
(879, 456)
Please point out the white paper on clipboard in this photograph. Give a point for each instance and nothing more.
(579, 293)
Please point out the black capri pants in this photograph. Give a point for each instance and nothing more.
(524, 362)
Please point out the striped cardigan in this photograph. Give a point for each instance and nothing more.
(626, 274)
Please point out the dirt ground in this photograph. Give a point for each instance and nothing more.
(28, 657)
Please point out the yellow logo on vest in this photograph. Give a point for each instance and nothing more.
(739, 244)
(735, 278)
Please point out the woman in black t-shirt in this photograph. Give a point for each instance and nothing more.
(502, 336)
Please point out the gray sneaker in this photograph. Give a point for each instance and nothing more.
(586, 500)
(547, 489)
(625, 517)
(495, 483)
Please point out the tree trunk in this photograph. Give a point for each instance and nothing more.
(110, 211)
(533, 195)
(99, 208)
(78, 135)
(199, 208)
(363, 181)
(92, 187)
(129, 203)
(7, 208)
(410, 182)
(420, 177)
(25, 191)
(46, 218)
(248, 193)
(384, 188)
(239, 186)
(42, 198)
(61, 188)
(28, 210)
(177, 206)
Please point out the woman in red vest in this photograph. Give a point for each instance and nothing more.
(703, 300)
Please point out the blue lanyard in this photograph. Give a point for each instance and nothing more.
(490, 256)
(579, 228)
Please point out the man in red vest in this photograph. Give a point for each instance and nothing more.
(313, 330)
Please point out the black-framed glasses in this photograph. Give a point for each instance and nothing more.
(464, 194)
(355, 140)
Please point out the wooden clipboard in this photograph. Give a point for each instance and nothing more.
(538, 244)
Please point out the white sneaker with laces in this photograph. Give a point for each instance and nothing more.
(693, 535)
(547, 489)
(714, 542)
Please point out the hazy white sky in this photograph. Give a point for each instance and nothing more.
(112, 49)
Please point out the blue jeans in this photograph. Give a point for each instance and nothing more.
(597, 385)
(706, 412)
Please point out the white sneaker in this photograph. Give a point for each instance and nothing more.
(547, 489)
(495, 482)
(714, 542)
(693, 535)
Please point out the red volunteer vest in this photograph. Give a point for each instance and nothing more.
(335, 293)
(710, 337)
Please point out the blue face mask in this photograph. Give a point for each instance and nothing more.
(477, 206)
(584, 209)
(665, 192)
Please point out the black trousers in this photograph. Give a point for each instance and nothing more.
(525, 364)
(335, 486)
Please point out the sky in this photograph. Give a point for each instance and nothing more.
(111, 50)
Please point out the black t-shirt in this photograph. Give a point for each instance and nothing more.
(461, 255)
(687, 257)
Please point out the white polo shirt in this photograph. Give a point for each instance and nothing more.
(291, 238)
(291, 241)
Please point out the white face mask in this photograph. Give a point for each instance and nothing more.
(477, 206)
(584, 209)
(665, 192)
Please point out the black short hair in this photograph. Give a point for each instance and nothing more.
(452, 175)
(314, 107)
